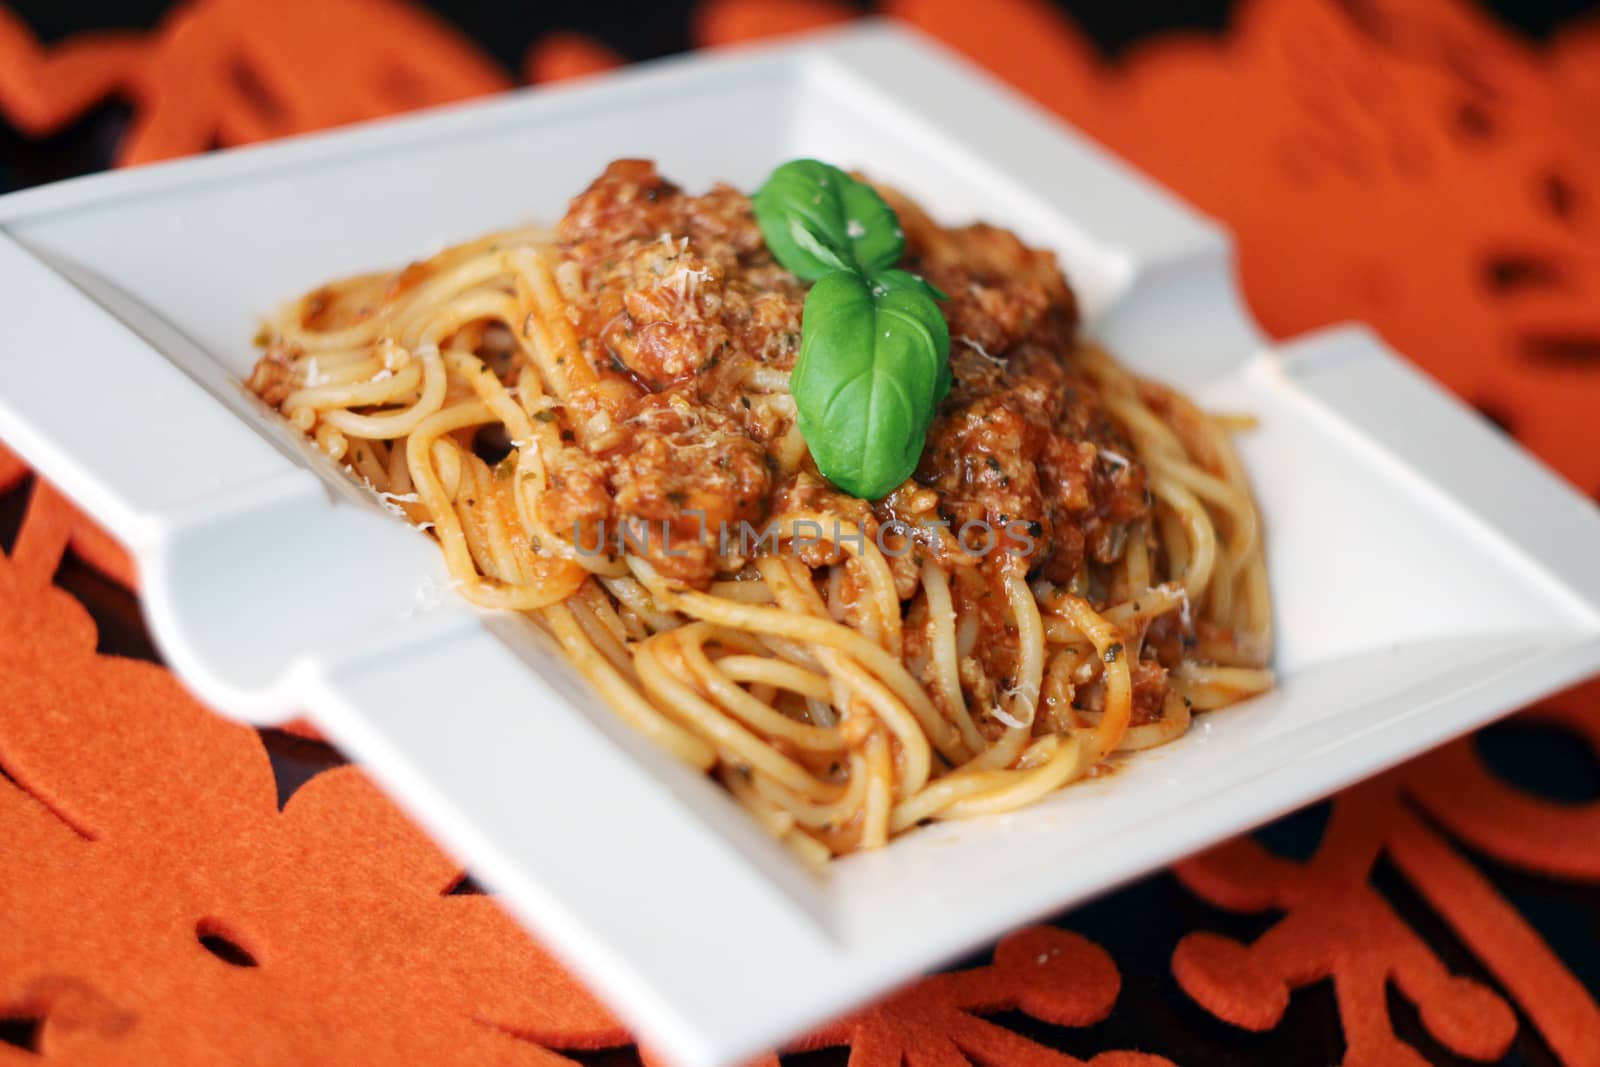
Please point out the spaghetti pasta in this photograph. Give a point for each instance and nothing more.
(594, 424)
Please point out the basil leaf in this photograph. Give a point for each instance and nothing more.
(817, 219)
(873, 366)
(917, 283)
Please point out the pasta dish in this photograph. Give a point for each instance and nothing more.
(832, 502)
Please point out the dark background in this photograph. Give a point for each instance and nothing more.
(1138, 925)
(504, 28)
(644, 30)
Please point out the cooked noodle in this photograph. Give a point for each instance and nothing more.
(843, 692)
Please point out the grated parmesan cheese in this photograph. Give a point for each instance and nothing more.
(685, 282)
(1006, 717)
(427, 597)
(972, 343)
(1116, 458)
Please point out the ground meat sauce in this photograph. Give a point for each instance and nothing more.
(679, 300)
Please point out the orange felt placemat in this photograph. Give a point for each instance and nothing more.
(1407, 163)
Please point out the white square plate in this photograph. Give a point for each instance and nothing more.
(1428, 576)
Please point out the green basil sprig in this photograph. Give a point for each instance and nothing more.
(874, 357)
(817, 219)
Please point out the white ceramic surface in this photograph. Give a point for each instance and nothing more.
(1428, 576)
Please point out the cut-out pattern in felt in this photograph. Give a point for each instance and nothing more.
(85, 537)
(159, 908)
(12, 469)
(1403, 162)
(231, 72)
(559, 56)
(1336, 925)
(1049, 974)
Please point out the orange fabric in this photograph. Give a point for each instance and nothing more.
(40, 90)
(87, 539)
(1046, 973)
(234, 71)
(1336, 926)
(1049, 974)
(732, 21)
(1555, 840)
(1399, 161)
(560, 56)
(12, 469)
(1402, 162)
(138, 825)
(135, 821)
